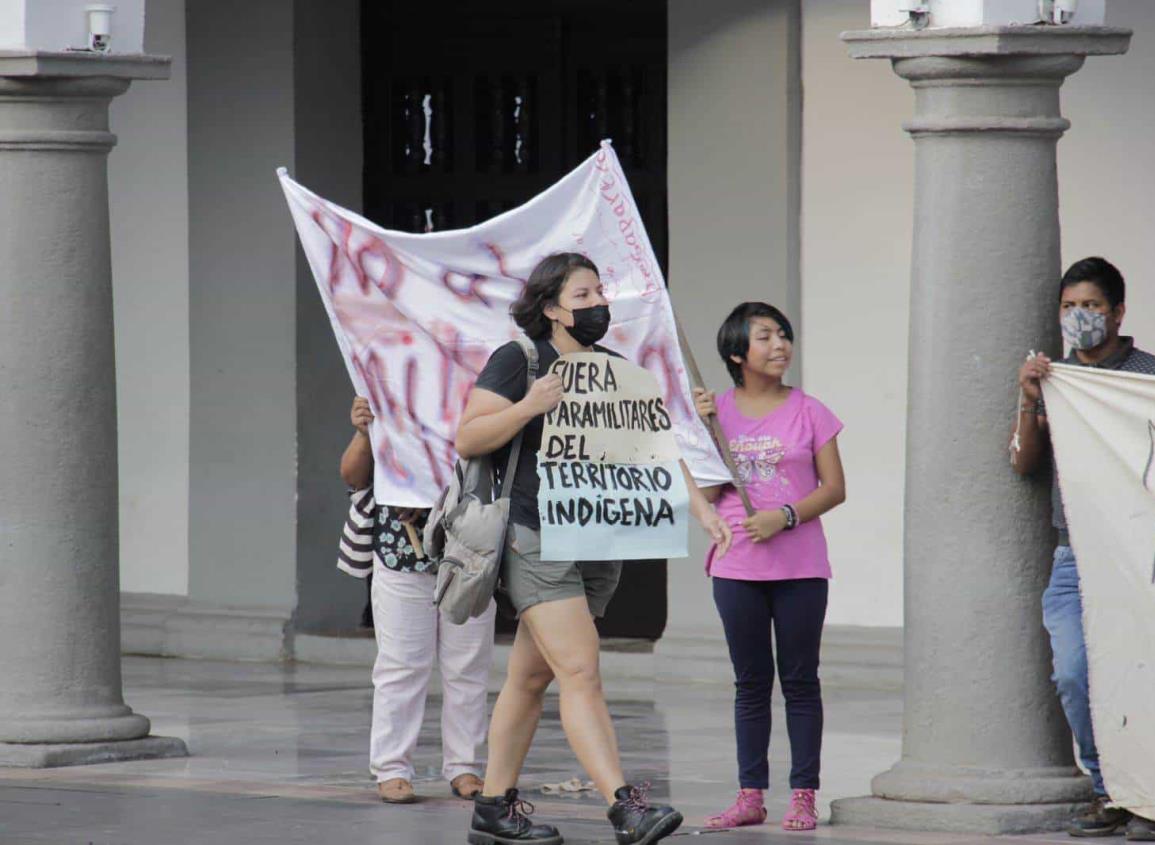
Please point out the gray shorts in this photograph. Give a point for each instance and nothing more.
(529, 580)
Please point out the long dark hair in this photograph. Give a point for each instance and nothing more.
(543, 288)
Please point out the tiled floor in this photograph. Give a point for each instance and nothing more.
(279, 756)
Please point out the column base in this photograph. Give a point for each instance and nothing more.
(968, 799)
(989, 819)
(112, 723)
(44, 756)
(931, 783)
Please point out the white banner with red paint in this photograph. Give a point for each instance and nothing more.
(417, 315)
(1103, 430)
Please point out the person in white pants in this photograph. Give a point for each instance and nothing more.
(411, 635)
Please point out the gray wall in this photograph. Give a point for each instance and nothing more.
(242, 305)
(857, 211)
(148, 202)
(1107, 164)
(734, 128)
(328, 160)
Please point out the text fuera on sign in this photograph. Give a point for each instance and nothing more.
(608, 466)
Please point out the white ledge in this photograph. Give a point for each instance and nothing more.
(42, 63)
(1027, 40)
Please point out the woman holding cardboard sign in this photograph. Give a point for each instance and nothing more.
(563, 310)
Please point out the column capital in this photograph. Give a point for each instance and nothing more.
(59, 101)
(988, 79)
(987, 42)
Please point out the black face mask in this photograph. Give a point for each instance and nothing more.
(589, 324)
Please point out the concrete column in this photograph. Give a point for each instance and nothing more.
(985, 746)
(60, 682)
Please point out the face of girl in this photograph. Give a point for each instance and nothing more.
(770, 352)
(583, 289)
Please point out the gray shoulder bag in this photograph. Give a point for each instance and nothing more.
(466, 530)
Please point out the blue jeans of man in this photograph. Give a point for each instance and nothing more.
(1063, 619)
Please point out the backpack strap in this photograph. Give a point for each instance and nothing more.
(530, 351)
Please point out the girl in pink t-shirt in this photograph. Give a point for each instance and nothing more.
(785, 449)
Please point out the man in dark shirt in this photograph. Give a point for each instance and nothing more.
(1091, 311)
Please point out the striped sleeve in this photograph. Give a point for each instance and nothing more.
(355, 552)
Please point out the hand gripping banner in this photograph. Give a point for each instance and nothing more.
(417, 315)
(1103, 431)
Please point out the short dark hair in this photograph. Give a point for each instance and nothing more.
(543, 288)
(734, 334)
(1101, 273)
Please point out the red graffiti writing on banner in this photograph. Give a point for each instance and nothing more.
(613, 192)
(381, 402)
(427, 434)
(658, 350)
(351, 249)
(460, 364)
(503, 270)
(392, 274)
(337, 231)
(466, 286)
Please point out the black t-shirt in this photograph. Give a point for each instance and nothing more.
(504, 374)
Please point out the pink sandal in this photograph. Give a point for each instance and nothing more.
(746, 810)
(803, 812)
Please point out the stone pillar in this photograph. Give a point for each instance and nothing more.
(60, 681)
(985, 745)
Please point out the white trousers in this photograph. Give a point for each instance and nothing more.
(410, 634)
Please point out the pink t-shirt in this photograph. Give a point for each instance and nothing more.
(775, 458)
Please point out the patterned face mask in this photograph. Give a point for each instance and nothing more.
(1084, 329)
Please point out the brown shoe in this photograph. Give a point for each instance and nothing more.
(466, 786)
(1099, 820)
(1140, 829)
(396, 791)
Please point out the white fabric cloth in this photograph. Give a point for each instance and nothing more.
(417, 315)
(411, 634)
(1103, 431)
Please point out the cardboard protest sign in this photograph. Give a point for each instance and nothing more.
(1103, 431)
(611, 485)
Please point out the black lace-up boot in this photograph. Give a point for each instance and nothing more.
(638, 822)
(505, 821)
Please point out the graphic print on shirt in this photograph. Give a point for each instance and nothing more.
(757, 458)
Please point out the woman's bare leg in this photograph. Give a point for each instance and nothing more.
(565, 636)
(516, 713)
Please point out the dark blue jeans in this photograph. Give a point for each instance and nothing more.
(795, 610)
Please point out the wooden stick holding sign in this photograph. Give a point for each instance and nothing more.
(409, 518)
(414, 540)
(712, 423)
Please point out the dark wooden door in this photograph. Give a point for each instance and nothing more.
(471, 109)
